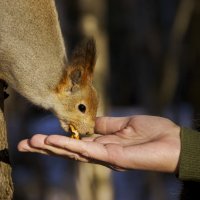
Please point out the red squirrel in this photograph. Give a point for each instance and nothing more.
(34, 63)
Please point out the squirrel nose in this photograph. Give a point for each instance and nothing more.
(87, 131)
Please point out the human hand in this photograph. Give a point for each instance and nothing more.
(133, 142)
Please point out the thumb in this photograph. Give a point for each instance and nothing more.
(110, 125)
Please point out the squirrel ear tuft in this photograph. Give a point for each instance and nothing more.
(90, 55)
(85, 56)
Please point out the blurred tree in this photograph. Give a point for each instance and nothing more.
(172, 67)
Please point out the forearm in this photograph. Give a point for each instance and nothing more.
(189, 162)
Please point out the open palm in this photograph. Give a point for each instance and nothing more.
(134, 142)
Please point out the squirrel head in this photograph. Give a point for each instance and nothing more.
(77, 98)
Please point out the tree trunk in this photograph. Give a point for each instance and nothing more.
(6, 185)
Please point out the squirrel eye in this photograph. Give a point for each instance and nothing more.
(82, 108)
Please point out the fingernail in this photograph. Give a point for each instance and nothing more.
(23, 149)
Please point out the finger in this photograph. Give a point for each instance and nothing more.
(90, 138)
(24, 146)
(39, 141)
(103, 139)
(65, 153)
(110, 139)
(109, 125)
(37, 145)
(89, 150)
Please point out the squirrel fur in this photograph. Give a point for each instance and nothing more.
(33, 62)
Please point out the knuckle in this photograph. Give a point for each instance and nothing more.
(34, 140)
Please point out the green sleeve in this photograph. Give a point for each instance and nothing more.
(189, 161)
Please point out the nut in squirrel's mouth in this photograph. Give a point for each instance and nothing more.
(74, 132)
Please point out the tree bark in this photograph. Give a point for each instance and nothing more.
(6, 185)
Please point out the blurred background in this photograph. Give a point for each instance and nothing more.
(148, 63)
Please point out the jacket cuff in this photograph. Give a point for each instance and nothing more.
(189, 161)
